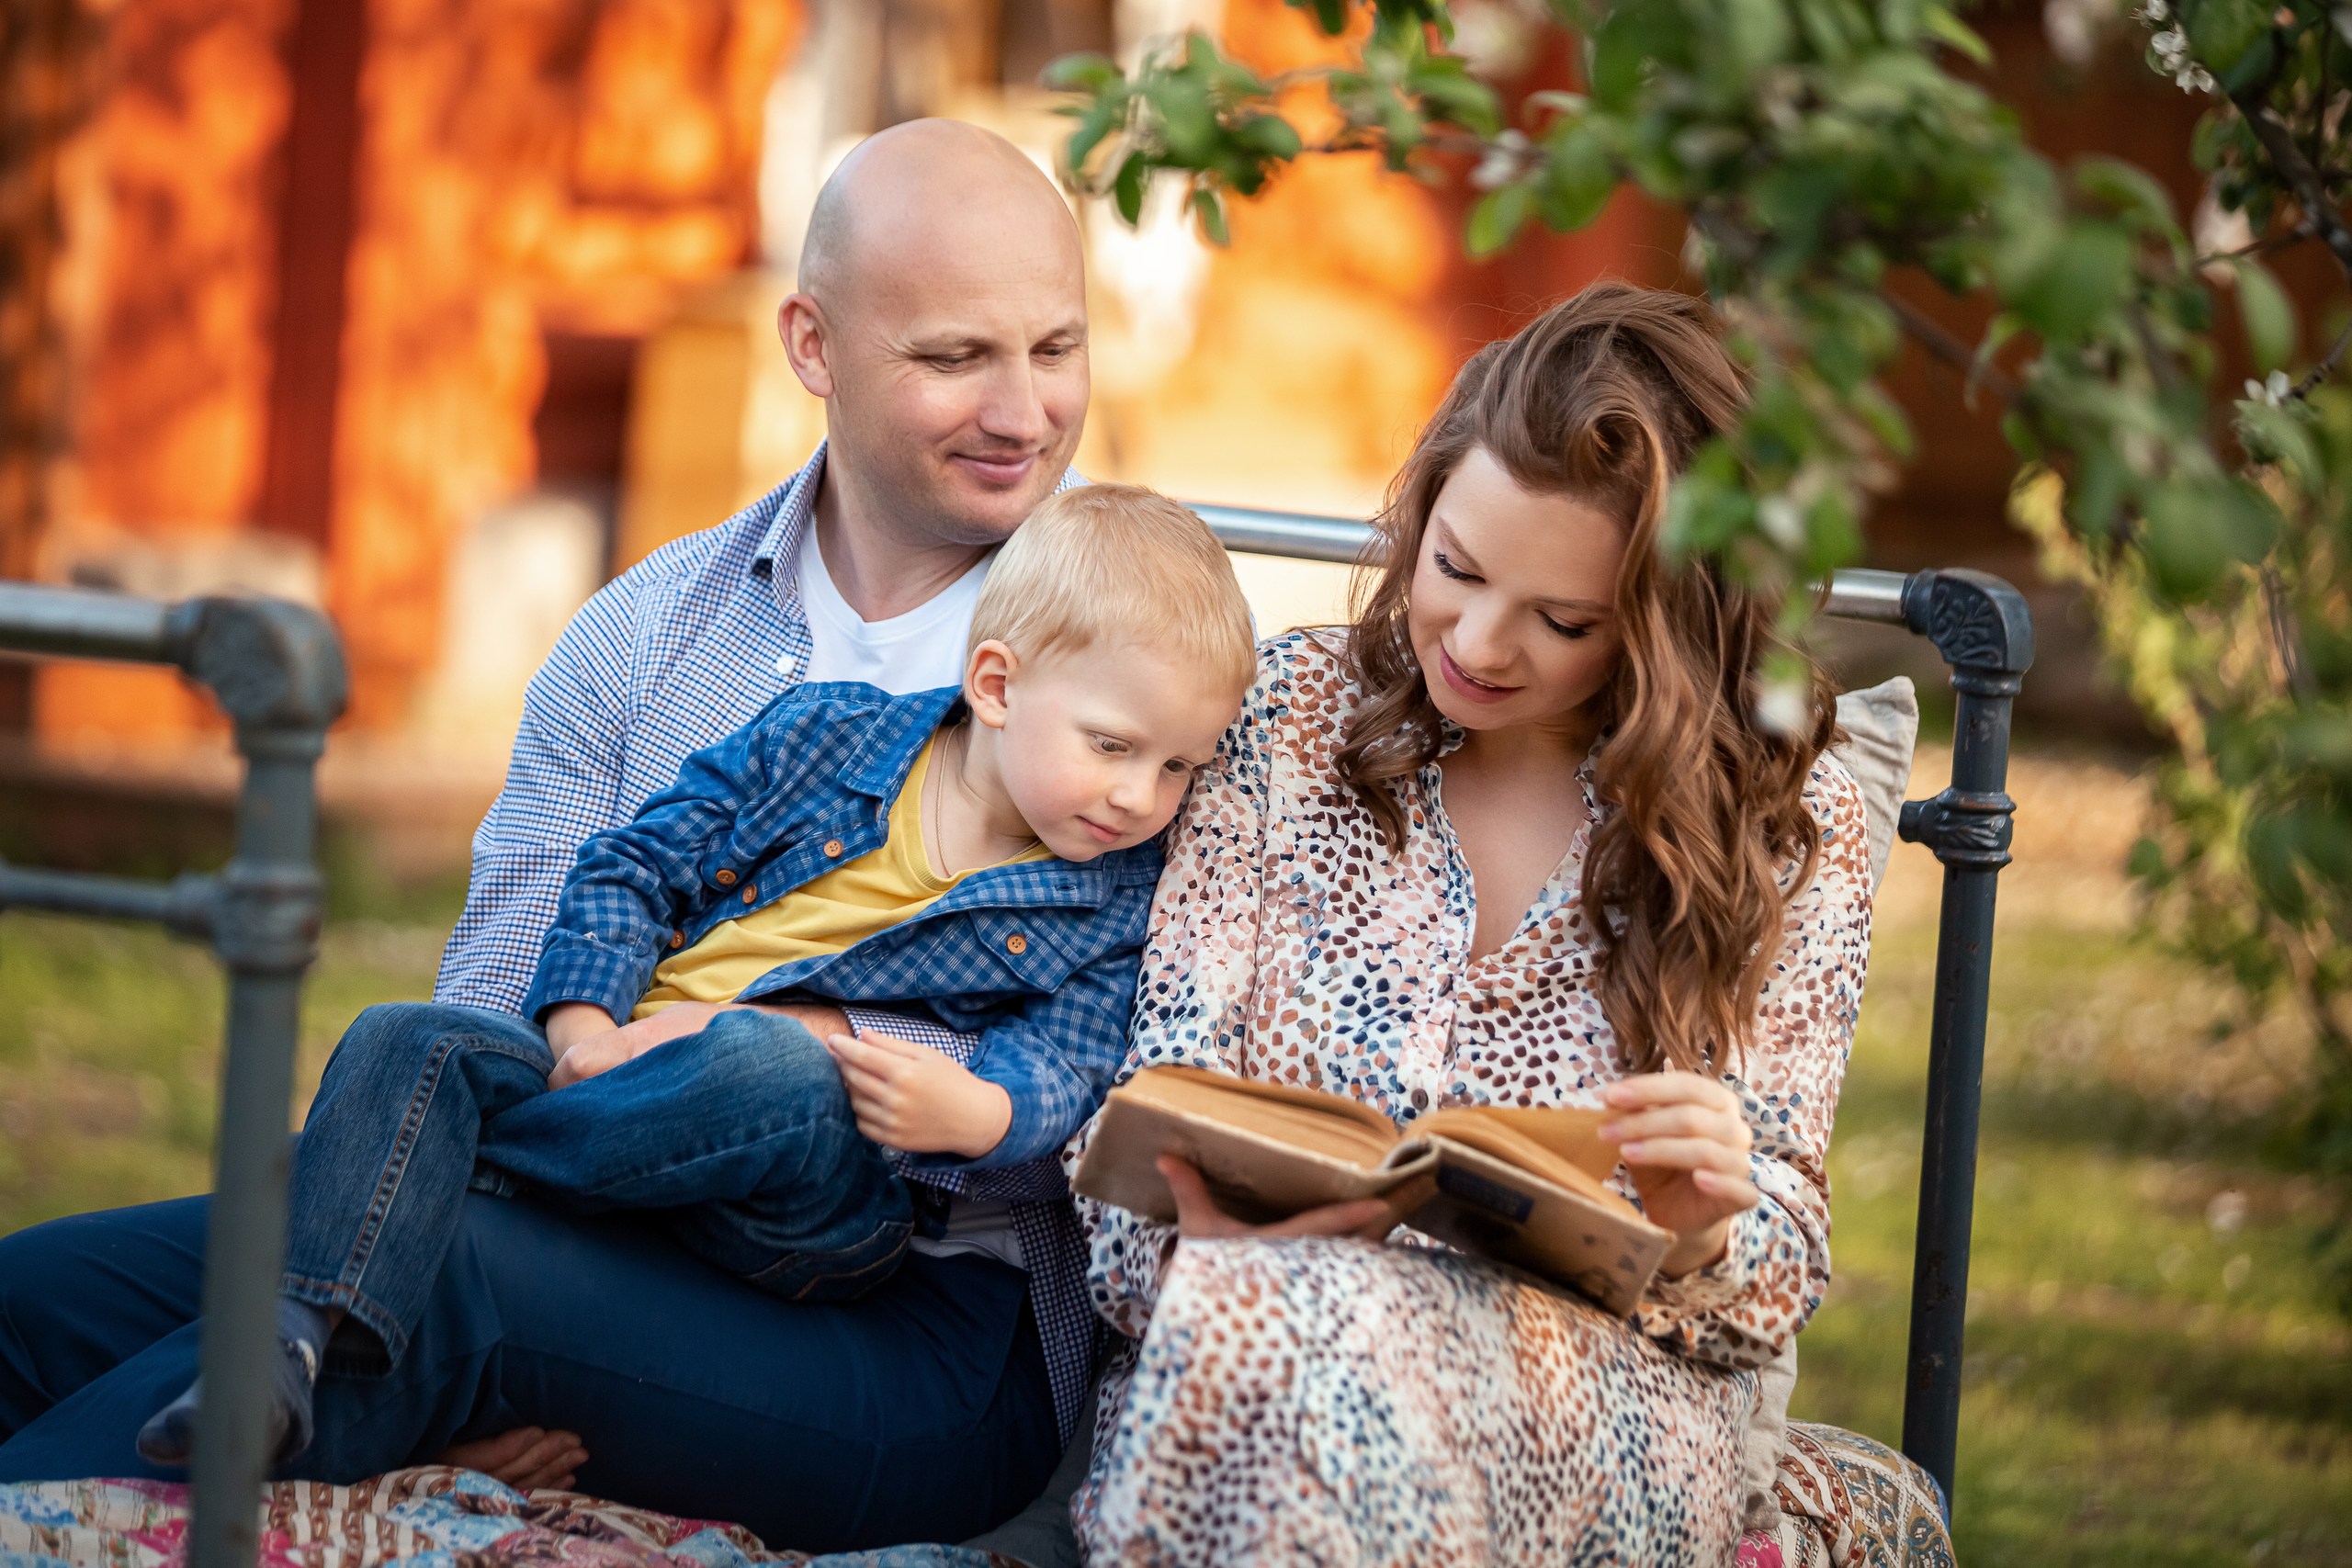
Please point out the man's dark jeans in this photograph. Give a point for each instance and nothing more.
(739, 1140)
(919, 1412)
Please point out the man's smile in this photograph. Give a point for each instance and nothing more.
(1001, 469)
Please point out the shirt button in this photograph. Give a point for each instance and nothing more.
(785, 664)
(750, 894)
(1016, 944)
(724, 877)
(677, 941)
(832, 849)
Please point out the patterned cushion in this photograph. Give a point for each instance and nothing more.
(1848, 1502)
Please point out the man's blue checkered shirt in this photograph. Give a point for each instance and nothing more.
(678, 652)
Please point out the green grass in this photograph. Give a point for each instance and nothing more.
(110, 1055)
(2153, 1377)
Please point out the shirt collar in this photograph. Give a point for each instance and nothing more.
(779, 547)
(796, 504)
(878, 767)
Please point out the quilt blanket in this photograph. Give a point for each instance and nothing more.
(430, 1517)
(1846, 1502)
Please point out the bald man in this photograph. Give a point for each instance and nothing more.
(941, 315)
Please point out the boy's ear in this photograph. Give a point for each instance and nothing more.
(987, 674)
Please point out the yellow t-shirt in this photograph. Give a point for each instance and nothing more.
(838, 911)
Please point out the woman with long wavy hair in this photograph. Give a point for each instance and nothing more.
(1515, 836)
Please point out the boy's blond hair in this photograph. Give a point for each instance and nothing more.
(1106, 563)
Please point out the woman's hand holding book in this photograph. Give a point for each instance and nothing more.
(1686, 1145)
(1198, 1215)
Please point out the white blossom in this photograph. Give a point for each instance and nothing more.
(1505, 156)
(1781, 708)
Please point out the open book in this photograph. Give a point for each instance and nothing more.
(1526, 1187)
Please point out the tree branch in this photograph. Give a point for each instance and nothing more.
(1953, 350)
(2262, 247)
(2311, 191)
(2283, 637)
(2327, 362)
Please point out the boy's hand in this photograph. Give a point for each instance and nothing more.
(911, 1098)
(601, 1053)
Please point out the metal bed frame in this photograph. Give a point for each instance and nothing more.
(277, 670)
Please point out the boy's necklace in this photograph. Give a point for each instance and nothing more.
(956, 744)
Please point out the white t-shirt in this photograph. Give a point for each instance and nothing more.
(914, 652)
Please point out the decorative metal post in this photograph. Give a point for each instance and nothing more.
(1980, 627)
(277, 670)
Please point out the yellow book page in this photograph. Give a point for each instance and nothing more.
(1564, 1146)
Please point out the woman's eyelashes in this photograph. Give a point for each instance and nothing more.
(1447, 569)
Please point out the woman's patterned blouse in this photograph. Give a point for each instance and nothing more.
(1289, 944)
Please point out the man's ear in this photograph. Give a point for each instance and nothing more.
(801, 323)
(987, 674)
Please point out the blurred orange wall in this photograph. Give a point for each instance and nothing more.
(525, 166)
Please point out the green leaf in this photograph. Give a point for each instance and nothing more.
(1885, 418)
(1954, 33)
(1578, 178)
(2186, 540)
(1331, 16)
(1623, 53)
(1082, 73)
(1126, 188)
(2221, 32)
(1212, 210)
(2268, 314)
(2097, 492)
(2279, 436)
(1496, 218)
(2133, 193)
(2081, 279)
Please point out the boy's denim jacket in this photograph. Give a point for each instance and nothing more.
(1038, 959)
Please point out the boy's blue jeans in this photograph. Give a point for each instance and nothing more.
(740, 1137)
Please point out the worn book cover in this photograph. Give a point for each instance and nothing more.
(1525, 1187)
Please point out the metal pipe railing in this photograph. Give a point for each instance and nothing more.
(1981, 627)
(277, 670)
(1856, 594)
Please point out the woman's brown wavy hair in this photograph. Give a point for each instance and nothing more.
(1604, 397)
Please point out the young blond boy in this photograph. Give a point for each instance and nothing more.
(985, 852)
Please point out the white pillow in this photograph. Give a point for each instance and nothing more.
(1882, 726)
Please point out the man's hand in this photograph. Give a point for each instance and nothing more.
(595, 1053)
(911, 1098)
(570, 1022)
(819, 1020)
(526, 1459)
